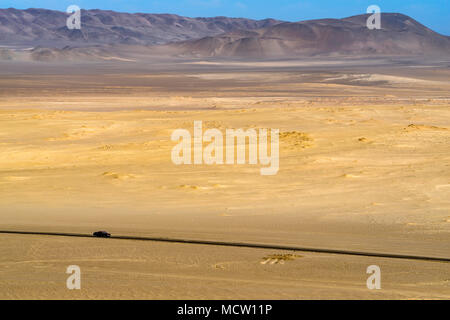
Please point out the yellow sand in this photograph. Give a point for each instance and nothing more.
(361, 167)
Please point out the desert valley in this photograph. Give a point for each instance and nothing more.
(364, 159)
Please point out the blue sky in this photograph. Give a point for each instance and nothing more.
(433, 13)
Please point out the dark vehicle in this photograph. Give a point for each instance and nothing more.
(102, 234)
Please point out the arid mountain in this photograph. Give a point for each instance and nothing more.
(399, 35)
(42, 35)
(48, 27)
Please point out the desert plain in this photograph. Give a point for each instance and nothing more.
(364, 165)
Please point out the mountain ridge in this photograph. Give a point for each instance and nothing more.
(172, 35)
(48, 27)
(399, 35)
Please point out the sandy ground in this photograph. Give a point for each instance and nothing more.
(34, 267)
(364, 164)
